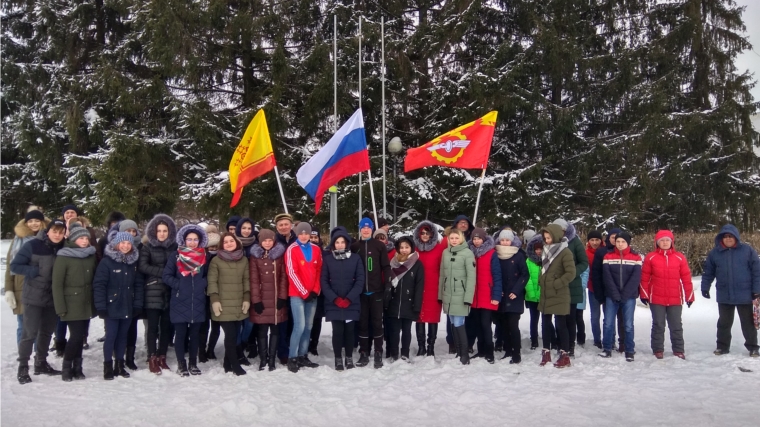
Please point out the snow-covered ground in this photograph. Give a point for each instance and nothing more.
(700, 391)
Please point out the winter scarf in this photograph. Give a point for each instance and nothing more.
(506, 252)
(398, 269)
(228, 256)
(129, 258)
(550, 253)
(247, 241)
(77, 252)
(341, 254)
(190, 260)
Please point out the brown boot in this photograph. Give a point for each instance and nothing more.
(546, 357)
(153, 365)
(162, 363)
(564, 361)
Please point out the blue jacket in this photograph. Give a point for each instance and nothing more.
(118, 287)
(622, 274)
(187, 303)
(35, 262)
(736, 269)
(510, 275)
(342, 278)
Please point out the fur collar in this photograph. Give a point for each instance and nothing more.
(487, 245)
(117, 256)
(22, 231)
(435, 239)
(151, 230)
(277, 251)
(570, 233)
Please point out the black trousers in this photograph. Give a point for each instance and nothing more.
(316, 326)
(213, 337)
(472, 328)
(510, 326)
(580, 326)
(571, 323)
(535, 316)
(77, 335)
(725, 322)
(39, 325)
(431, 334)
(372, 312)
(186, 330)
(398, 327)
(480, 320)
(230, 340)
(159, 329)
(343, 337)
(547, 331)
(132, 333)
(264, 329)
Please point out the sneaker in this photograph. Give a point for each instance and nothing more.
(754, 353)
(304, 362)
(679, 355)
(43, 367)
(182, 368)
(363, 360)
(720, 352)
(629, 357)
(293, 365)
(659, 354)
(605, 353)
(193, 369)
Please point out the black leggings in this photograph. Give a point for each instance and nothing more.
(535, 316)
(398, 327)
(159, 328)
(186, 330)
(580, 327)
(132, 333)
(264, 329)
(480, 319)
(547, 332)
(230, 340)
(510, 326)
(77, 334)
(571, 324)
(213, 337)
(343, 337)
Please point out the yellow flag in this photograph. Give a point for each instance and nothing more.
(253, 156)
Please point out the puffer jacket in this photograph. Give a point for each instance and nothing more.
(430, 258)
(187, 303)
(622, 274)
(342, 278)
(35, 262)
(229, 284)
(377, 267)
(555, 282)
(153, 257)
(268, 283)
(736, 270)
(665, 275)
(486, 287)
(456, 287)
(581, 264)
(406, 297)
(532, 290)
(15, 282)
(73, 273)
(510, 273)
(117, 285)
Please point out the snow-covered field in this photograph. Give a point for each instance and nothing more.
(700, 391)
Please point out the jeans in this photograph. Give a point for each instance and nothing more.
(77, 332)
(183, 330)
(116, 339)
(457, 321)
(343, 338)
(571, 325)
(610, 312)
(480, 319)
(726, 321)
(245, 332)
(535, 316)
(39, 325)
(60, 330)
(159, 328)
(19, 328)
(303, 318)
(596, 316)
(671, 314)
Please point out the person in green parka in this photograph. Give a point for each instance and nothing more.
(456, 288)
(580, 259)
(557, 271)
(73, 272)
(534, 249)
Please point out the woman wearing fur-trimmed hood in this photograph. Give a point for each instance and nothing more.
(430, 246)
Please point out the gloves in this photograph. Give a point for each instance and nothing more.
(216, 307)
(10, 299)
(689, 303)
(258, 307)
(467, 303)
(246, 306)
(440, 301)
(342, 302)
(644, 301)
(136, 312)
(281, 303)
(311, 297)
(103, 314)
(706, 294)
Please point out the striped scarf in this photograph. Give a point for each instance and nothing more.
(550, 253)
(190, 261)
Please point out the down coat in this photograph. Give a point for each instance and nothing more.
(581, 263)
(228, 284)
(622, 274)
(532, 290)
(486, 287)
(15, 282)
(35, 262)
(510, 275)
(736, 270)
(665, 275)
(118, 286)
(73, 272)
(188, 293)
(430, 257)
(153, 258)
(268, 283)
(554, 284)
(456, 285)
(342, 278)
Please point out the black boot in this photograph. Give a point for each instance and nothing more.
(108, 370)
(119, 370)
(339, 363)
(571, 353)
(363, 360)
(464, 355)
(378, 359)
(210, 355)
(232, 365)
(182, 368)
(23, 374)
(263, 353)
(304, 362)
(273, 341)
(420, 330)
(293, 365)
(192, 368)
(349, 362)
(76, 368)
(241, 356)
(66, 372)
(130, 359)
(405, 354)
(202, 356)
(42, 367)
(430, 347)
(313, 347)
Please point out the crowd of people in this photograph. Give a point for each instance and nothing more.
(268, 291)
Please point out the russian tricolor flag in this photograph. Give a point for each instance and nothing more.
(344, 155)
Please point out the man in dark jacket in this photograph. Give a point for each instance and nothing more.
(35, 262)
(377, 284)
(736, 268)
(576, 287)
(597, 276)
(463, 224)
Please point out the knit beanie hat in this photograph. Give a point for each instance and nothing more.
(379, 232)
(213, 239)
(282, 216)
(122, 236)
(127, 224)
(232, 222)
(625, 236)
(528, 234)
(507, 234)
(76, 231)
(265, 234)
(561, 222)
(70, 208)
(594, 234)
(614, 231)
(382, 222)
(480, 233)
(315, 232)
(303, 227)
(366, 222)
(35, 214)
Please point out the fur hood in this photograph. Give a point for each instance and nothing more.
(277, 251)
(435, 239)
(197, 229)
(487, 245)
(570, 233)
(117, 256)
(150, 231)
(22, 231)
(530, 248)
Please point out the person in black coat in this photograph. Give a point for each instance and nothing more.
(118, 295)
(407, 285)
(342, 280)
(509, 268)
(162, 233)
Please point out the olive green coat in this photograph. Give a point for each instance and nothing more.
(72, 286)
(456, 285)
(555, 283)
(228, 283)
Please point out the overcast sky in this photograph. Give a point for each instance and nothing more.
(750, 60)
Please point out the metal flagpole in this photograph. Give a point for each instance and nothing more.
(477, 201)
(372, 193)
(334, 189)
(382, 80)
(279, 184)
(360, 105)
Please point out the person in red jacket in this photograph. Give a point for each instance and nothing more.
(594, 241)
(486, 302)
(665, 286)
(430, 247)
(303, 264)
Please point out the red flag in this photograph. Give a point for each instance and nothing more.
(466, 147)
